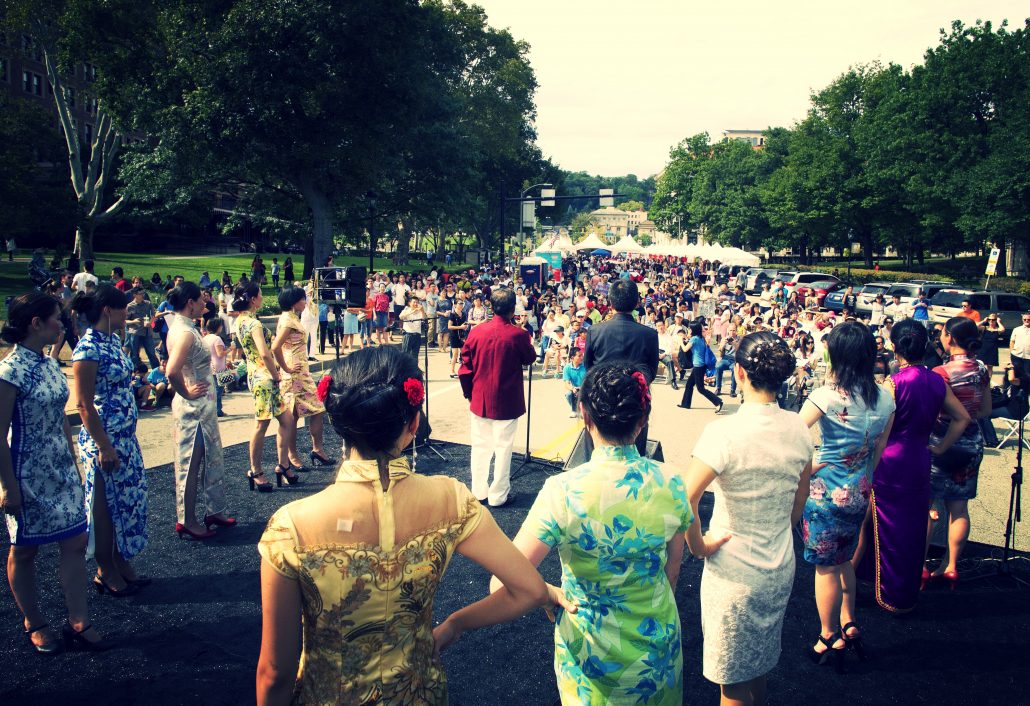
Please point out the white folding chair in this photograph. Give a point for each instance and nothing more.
(1012, 430)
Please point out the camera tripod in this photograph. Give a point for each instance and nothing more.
(1015, 513)
(528, 459)
(427, 442)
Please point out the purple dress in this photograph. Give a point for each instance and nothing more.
(901, 491)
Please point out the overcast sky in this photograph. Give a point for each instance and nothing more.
(622, 82)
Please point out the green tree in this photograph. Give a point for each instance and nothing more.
(630, 206)
(670, 206)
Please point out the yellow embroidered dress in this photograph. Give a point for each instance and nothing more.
(368, 562)
(268, 400)
(298, 389)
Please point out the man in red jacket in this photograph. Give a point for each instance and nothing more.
(491, 377)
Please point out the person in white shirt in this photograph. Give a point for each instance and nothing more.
(1019, 349)
(411, 321)
(668, 348)
(399, 292)
(897, 310)
(80, 279)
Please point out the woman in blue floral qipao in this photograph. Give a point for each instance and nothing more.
(618, 523)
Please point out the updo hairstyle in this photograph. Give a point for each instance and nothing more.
(767, 359)
(91, 304)
(612, 398)
(289, 296)
(367, 404)
(22, 310)
(243, 294)
(181, 294)
(964, 333)
(909, 338)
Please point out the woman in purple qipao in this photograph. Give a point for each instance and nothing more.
(901, 481)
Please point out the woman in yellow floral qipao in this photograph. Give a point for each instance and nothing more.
(263, 381)
(353, 570)
(298, 390)
(617, 522)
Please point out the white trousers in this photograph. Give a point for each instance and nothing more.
(492, 438)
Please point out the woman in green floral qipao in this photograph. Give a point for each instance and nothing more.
(618, 523)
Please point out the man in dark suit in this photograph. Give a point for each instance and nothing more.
(491, 378)
(622, 338)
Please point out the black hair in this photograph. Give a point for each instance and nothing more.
(88, 264)
(136, 290)
(118, 271)
(964, 333)
(852, 356)
(612, 399)
(243, 294)
(696, 328)
(213, 325)
(767, 360)
(289, 296)
(502, 301)
(623, 296)
(367, 404)
(909, 338)
(22, 310)
(91, 306)
(180, 295)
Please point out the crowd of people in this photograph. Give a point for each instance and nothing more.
(895, 401)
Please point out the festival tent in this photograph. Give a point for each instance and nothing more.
(627, 245)
(736, 256)
(591, 242)
(658, 250)
(564, 244)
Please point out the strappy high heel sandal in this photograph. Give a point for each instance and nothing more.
(836, 654)
(854, 642)
(265, 487)
(50, 648)
(281, 472)
(318, 460)
(74, 640)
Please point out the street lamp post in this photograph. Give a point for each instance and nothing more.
(371, 198)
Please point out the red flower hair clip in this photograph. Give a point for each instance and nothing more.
(645, 390)
(415, 392)
(323, 387)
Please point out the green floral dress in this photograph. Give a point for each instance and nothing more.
(611, 519)
(268, 400)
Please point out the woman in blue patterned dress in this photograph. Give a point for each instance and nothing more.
(116, 486)
(854, 417)
(618, 523)
(41, 489)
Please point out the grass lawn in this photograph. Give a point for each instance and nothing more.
(14, 278)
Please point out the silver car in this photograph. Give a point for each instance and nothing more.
(1009, 307)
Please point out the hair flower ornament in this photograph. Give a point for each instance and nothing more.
(323, 387)
(645, 390)
(415, 392)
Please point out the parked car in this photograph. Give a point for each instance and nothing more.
(910, 290)
(867, 295)
(1009, 307)
(806, 278)
(758, 276)
(834, 301)
(822, 289)
(727, 272)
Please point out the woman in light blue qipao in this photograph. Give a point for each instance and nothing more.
(618, 523)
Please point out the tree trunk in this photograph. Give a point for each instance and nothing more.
(321, 223)
(1001, 270)
(84, 240)
(404, 242)
(309, 256)
(865, 239)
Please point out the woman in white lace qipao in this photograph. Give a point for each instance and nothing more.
(194, 418)
(755, 461)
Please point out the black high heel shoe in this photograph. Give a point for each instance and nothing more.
(50, 648)
(281, 474)
(830, 653)
(74, 640)
(317, 460)
(261, 487)
(854, 642)
(299, 469)
(130, 588)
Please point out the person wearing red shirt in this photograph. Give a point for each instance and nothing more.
(119, 281)
(491, 378)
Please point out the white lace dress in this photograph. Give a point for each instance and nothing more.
(759, 454)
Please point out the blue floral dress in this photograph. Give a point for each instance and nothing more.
(126, 487)
(611, 519)
(839, 492)
(53, 508)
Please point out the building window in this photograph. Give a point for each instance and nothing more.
(89, 72)
(91, 105)
(69, 95)
(31, 48)
(87, 133)
(32, 83)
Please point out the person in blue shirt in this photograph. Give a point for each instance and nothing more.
(572, 376)
(921, 310)
(159, 381)
(696, 348)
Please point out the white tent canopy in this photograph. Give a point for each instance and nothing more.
(626, 245)
(736, 256)
(592, 242)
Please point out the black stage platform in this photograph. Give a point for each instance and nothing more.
(193, 636)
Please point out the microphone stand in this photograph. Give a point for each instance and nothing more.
(528, 459)
(1015, 513)
(427, 442)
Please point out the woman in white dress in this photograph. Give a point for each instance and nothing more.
(755, 461)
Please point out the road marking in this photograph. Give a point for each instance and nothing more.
(445, 390)
(548, 451)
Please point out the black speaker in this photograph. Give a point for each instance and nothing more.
(356, 286)
(342, 285)
(584, 448)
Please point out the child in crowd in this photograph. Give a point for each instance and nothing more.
(159, 380)
(141, 389)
